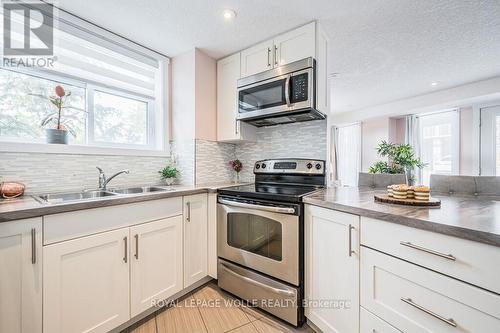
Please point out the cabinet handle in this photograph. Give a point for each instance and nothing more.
(268, 57)
(350, 240)
(33, 246)
(275, 55)
(136, 255)
(421, 248)
(125, 248)
(188, 217)
(449, 321)
(236, 123)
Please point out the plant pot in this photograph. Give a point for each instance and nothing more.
(169, 181)
(57, 136)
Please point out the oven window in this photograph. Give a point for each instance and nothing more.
(255, 234)
(262, 96)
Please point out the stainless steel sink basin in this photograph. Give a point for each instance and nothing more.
(76, 196)
(143, 189)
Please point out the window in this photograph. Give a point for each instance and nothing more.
(490, 141)
(348, 154)
(439, 144)
(119, 85)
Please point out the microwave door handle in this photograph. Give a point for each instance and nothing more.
(282, 210)
(287, 91)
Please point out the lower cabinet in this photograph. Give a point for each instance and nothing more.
(195, 238)
(95, 283)
(369, 323)
(155, 262)
(86, 283)
(332, 269)
(21, 276)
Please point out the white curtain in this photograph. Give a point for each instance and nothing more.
(412, 134)
(347, 152)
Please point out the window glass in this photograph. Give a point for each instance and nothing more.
(24, 104)
(348, 154)
(498, 145)
(439, 148)
(120, 119)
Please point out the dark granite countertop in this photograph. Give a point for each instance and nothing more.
(468, 217)
(27, 206)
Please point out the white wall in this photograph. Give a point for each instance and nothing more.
(373, 131)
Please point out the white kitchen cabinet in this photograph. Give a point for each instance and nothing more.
(21, 276)
(369, 323)
(228, 127)
(295, 45)
(257, 58)
(195, 238)
(332, 269)
(155, 262)
(212, 235)
(86, 283)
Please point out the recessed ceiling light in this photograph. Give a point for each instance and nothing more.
(228, 14)
(434, 84)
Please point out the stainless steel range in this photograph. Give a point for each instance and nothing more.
(261, 235)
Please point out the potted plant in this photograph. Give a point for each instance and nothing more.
(58, 124)
(169, 173)
(400, 159)
(236, 165)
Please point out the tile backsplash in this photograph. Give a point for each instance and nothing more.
(43, 173)
(296, 140)
(212, 162)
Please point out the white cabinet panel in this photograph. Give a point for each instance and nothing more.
(295, 45)
(369, 323)
(332, 268)
(228, 73)
(212, 235)
(21, 276)
(257, 58)
(195, 238)
(156, 262)
(415, 299)
(86, 283)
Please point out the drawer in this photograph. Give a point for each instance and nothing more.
(64, 226)
(465, 260)
(415, 299)
(369, 323)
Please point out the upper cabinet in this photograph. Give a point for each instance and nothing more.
(303, 42)
(257, 59)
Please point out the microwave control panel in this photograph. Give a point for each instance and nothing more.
(299, 84)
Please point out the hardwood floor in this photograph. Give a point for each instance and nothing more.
(211, 310)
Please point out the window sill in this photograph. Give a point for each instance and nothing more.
(45, 148)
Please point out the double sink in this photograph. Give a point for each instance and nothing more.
(97, 194)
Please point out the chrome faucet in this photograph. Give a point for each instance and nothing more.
(103, 180)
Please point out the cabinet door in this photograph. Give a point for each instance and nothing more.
(156, 262)
(86, 283)
(21, 276)
(195, 238)
(369, 323)
(228, 73)
(257, 59)
(295, 45)
(332, 269)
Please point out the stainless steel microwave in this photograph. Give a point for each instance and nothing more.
(282, 95)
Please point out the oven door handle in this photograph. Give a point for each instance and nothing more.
(257, 283)
(282, 210)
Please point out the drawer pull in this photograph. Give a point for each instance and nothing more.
(450, 321)
(436, 253)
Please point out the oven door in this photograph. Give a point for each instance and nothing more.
(260, 236)
(278, 95)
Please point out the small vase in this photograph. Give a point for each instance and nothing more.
(169, 181)
(237, 178)
(56, 136)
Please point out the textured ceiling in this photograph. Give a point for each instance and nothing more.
(384, 50)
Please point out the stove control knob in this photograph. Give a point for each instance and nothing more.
(257, 166)
(263, 165)
(309, 165)
(318, 166)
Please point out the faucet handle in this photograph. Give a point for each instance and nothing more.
(100, 170)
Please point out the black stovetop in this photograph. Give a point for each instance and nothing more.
(276, 192)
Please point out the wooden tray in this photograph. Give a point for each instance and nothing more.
(409, 202)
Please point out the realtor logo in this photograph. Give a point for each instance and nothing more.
(28, 29)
